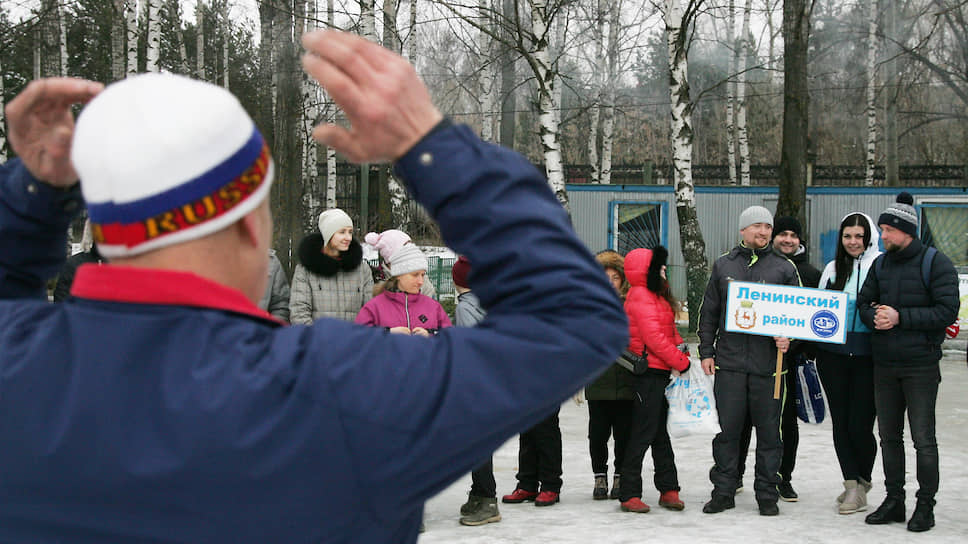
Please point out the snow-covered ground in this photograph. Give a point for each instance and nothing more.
(579, 519)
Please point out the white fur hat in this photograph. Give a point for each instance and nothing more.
(407, 259)
(164, 159)
(331, 221)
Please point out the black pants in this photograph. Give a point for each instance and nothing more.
(848, 382)
(914, 389)
(649, 431)
(539, 456)
(482, 480)
(789, 433)
(740, 395)
(608, 418)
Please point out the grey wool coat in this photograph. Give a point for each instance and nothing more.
(327, 287)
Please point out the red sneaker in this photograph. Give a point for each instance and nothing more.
(546, 498)
(519, 495)
(636, 505)
(670, 500)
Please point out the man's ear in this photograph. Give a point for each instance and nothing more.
(250, 227)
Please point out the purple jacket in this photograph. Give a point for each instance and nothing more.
(397, 309)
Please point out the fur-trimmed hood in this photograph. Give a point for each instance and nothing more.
(312, 257)
(643, 268)
(614, 260)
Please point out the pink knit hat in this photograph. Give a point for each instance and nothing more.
(387, 242)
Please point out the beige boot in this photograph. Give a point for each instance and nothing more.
(861, 483)
(853, 502)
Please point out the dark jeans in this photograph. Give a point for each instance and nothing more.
(608, 418)
(740, 395)
(848, 382)
(789, 433)
(482, 480)
(649, 431)
(539, 456)
(914, 389)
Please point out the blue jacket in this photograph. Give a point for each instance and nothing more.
(158, 406)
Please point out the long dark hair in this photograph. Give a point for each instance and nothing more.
(654, 280)
(843, 261)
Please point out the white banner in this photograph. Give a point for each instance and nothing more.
(781, 310)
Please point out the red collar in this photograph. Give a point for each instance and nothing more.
(153, 286)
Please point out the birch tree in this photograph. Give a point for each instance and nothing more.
(226, 28)
(746, 49)
(540, 61)
(200, 40)
(61, 41)
(608, 97)
(368, 20)
(311, 96)
(118, 40)
(678, 20)
(331, 118)
(131, 28)
(412, 34)
(487, 76)
(871, 91)
(154, 36)
(3, 118)
(732, 40)
(49, 38)
(598, 84)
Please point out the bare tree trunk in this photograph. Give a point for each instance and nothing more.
(608, 105)
(3, 119)
(226, 38)
(412, 36)
(154, 37)
(508, 77)
(200, 39)
(548, 127)
(391, 35)
(871, 91)
(62, 40)
(770, 7)
(331, 118)
(368, 20)
(890, 96)
(131, 26)
(796, 107)
(118, 37)
(38, 39)
(677, 21)
(487, 75)
(395, 190)
(733, 41)
(310, 176)
(49, 26)
(595, 111)
(741, 133)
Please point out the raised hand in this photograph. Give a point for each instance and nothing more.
(388, 106)
(42, 125)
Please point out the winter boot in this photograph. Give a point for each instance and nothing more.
(768, 507)
(891, 509)
(863, 486)
(486, 512)
(855, 498)
(786, 492)
(718, 504)
(670, 500)
(518, 496)
(546, 498)
(613, 494)
(923, 517)
(636, 505)
(600, 491)
(470, 505)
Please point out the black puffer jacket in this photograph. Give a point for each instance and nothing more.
(736, 351)
(924, 312)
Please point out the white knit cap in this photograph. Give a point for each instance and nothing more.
(164, 159)
(407, 259)
(331, 221)
(755, 214)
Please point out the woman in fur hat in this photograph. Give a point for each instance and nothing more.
(609, 399)
(397, 303)
(331, 280)
(651, 309)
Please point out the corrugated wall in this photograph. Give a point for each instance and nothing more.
(718, 209)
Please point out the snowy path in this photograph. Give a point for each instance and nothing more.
(579, 519)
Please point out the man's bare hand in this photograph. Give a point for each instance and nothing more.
(709, 366)
(782, 343)
(886, 318)
(42, 125)
(388, 106)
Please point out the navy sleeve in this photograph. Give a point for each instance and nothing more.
(33, 231)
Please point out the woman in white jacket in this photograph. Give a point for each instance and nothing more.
(331, 280)
(846, 370)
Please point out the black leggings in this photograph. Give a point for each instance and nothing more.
(849, 385)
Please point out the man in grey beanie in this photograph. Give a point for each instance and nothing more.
(909, 298)
(744, 365)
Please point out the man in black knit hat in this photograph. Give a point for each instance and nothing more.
(910, 296)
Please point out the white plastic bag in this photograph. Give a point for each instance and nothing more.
(692, 405)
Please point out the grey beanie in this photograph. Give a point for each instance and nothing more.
(901, 215)
(406, 259)
(755, 214)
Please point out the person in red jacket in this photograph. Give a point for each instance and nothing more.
(651, 309)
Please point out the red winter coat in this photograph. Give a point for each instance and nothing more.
(652, 322)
